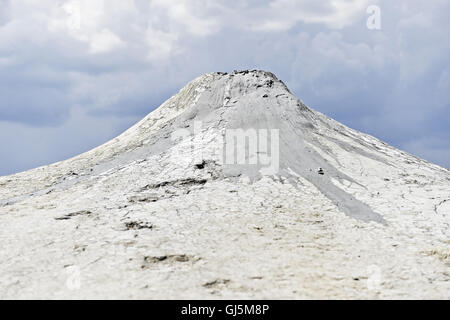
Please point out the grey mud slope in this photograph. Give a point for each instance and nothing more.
(259, 102)
(137, 218)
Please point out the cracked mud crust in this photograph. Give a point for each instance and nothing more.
(345, 216)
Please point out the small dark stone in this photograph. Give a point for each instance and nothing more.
(200, 165)
(269, 83)
(135, 225)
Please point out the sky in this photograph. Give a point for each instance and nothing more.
(74, 74)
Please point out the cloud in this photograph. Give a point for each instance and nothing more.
(430, 147)
(104, 41)
(161, 44)
(195, 17)
(114, 60)
(4, 12)
(282, 15)
(43, 145)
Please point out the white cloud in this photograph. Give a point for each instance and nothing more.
(193, 16)
(161, 25)
(284, 14)
(104, 41)
(161, 44)
(85, 21)
(115, 57)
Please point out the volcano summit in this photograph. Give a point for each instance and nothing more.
(232, 188)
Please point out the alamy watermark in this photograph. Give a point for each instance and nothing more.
(373, 278)
(250, 146)
(374, 20)
(73, 11)
(73, 281)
